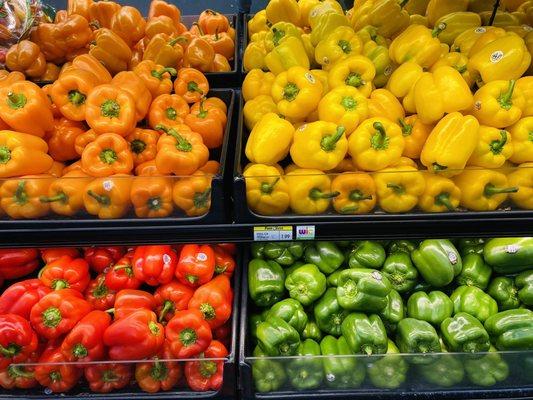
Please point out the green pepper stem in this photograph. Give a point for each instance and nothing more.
(357, 195)
(16, 100)
(317, 194)
(443, 199)
(437, 167)
(9, 351)
(59, 284)
(60, 197)
(348, 103)
(17, 371)
(159, 74)
(103, 200)
(277, 35)
(182, 143)
(354, 79)
(268, 188)
(345, 46)
(328, 143)
(5, 154)
(506, 99)
(51, 317)
(171, 113)
(109, 376)
(21, 197)
(192, 86)
(137, 146)
(188, 336)
(207, 368)
(290, 91)
(496, 146)
(379, 140)
(202, 113)
(108, 156)
(398, 189)
(367, 349)
(208, 311)
(110, 109)
(491, 190)
(154, 329)
(154, 203)
(79, 350)
(76, 97)
(460, 68)
(202, 198)
(407, 129)
(168, 306)
(438, 29)
(348, 209)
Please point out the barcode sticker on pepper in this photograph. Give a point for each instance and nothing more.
(496, 56)
(108, 185)
(201, 257)
(452, 257)
(166, 258)
(512, 248)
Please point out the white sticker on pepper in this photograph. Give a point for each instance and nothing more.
(166, 258)
(309, 76)
(512, 248)
(452, 257)
(201, 257)
(496, 56)
(108, 185)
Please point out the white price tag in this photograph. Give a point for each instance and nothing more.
(305, 232)
(272, 233)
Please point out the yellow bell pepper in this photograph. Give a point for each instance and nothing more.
(507, 57)
(305, 8)
(256, 83)
(489, 36)
(528, 39)
(267, 193)
(310, 191)
(326, 24)
(383, 104)
(483, 189)
(289, 53)
(405, 162)
(458, 61)
(415, 134)
(370, 34)
(296, 92)
(258, 23)
(388, 16)
(402, 83)
(340, 44)
(376, 144)
(309, 48)
(357, 193)
(439, 8)
(493, 149)
(256, 108)
(498, 104)
(283, 10)
(440, 194)
(269, 140)
(279, 32)
(525, 85)
(450, 144)
(440, 92)
(379, 55)
(254, 56)
(416, 44)
(520, 30)
(416, 7)
(344, 106)
(357, 71)
(322, 76)
(277, 166)
(522, 134)
(449, 26)
(511, 5)
(502, 18)
(464, 42)
(319, 145)
(522, 178)
(260, 37)
(399, 188)
(323, 7)
(417, 19)
(480, 5)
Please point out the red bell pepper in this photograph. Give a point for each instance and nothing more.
(206, 375)
(99, 295)
(54, 372)
(158, 375)
(188, 333)
(135, 336)
(213, 300)
(154, 265)
(104, 378)
(16, 263)
(86, 341)
(129, 300)
(58, 312)
(100, 258)
(230, 248)
(17, 340)
(223, 334)
(50, 255)
(196, 265)
(170, 298)
(224, 262)
(120, 276)
(66, 272)
(20, 297)
(18, 376)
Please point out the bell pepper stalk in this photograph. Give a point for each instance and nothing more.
(306, 284)
(58, 312)
(17, 340)
(366, 254)
(100, 258)
(400, 271)
(445, 371)
(206, 374)
(20, 297)
(474, 301)
(464, 333)
(393, 312)
(524, 284)
(196, 265)
(18, 376)
(418, 337)
(487, 370)
(154, 265)
(438, 261)
(130, 300)
(120, 276)
(188, 333)
(277, 338)
(389, 371)
(365, 334)
(405, 246)
(328, 313)
(504, 291)
(433, 307)
(99, 295)
(16, 263)
(214, 301)
(325, 255)
(66, 272)
(172, 297)
(306, 372)
(341, 372)
(269, 375)
(509, 255)
(475, 271)
(105, 378)
(291, 311)
(363, 289)
(156, 375)
(54, 372)
(266, 282)
(224, 262)
(511, 329)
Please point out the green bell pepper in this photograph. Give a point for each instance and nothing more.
(474, 301)
(365, 334)
(393, 312)
(293, 267)
(265, 282)
(367, 254)
(487, 370)
(524, 283)
(306, 284)
(284, 253)
(422, 286)
(306, 373)
(464, 333)
(445, 371)
(475, 272)
(389, 371)
(363, 289)
(268, 375)
(329, 314)
(471, 246)
(505, 292)
(404, 246)
(277, 338)
(438, 261)
(509, 255)
(254, 321)
(333, 279)
(416, 336)
(312, 331)
(291, 311)
(341, 372)
(511, 329)
(434, 307)
(325, 255)
(402, 275)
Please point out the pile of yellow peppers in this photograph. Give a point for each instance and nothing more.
(394, 105)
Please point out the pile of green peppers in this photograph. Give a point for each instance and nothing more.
(382, 298)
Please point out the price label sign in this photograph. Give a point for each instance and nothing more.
(272, 233)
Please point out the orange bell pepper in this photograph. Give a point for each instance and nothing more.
(129, 24)
(111, 50)
(216, 102)
(80, 7)
(83, 140)
(107, 155)
(90, 63)
(147, 168)
(69, 93)
(168, 110)
(156, 77)
(22, 154)
(160, 7)
(75, 166)
(137, 53)
(191, 84)
(414, 133)
(47, 89)
(72, 34)
(211, 167)
(212, 22)
(7, 78)
(357, 193)
(213, 103)
(222, 43)
(152, 197)
(164, 50)
(26, 57)
(160, 24)
(209, 123)
(180, 151)
(61, 16)
(20, 198)
(131, 83)
(143, 145)
(25, 108)
(193, 194)
(108, 197)
(43, 36)
(56, 170)
(61, 142)
(51, 73)
(199, 54)
(101, 13)
(65, 195)
(220, 64)
(110, 109)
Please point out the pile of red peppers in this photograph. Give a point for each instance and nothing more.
(145, 304)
